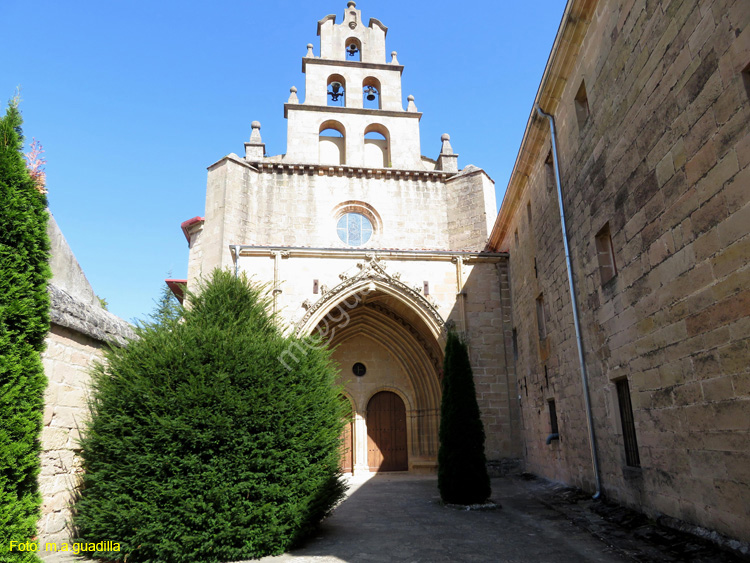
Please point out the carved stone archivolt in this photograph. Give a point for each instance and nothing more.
(429, 350)
(372, 269)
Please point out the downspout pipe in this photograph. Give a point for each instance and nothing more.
(236, 253)
(576, 321)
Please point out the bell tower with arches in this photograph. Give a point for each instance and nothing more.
(352, 84)
(369, 244)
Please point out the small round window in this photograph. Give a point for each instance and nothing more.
(354, 229)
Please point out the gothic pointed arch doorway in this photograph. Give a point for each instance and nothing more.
(389, 363)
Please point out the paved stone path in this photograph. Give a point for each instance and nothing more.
(398, 517)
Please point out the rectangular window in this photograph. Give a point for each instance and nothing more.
(549, 171)
(746, 79)
(536, 272)
(540, 320)
(605, 254)
(582, 105)
(528, 212)
(516, 236)
(553, 417)
(628, 424)
(515, 345)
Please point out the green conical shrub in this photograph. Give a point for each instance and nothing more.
(462, 468)
(24, 322)
(203, 445)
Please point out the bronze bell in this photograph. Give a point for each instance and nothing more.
(336, 90)
(370, 91)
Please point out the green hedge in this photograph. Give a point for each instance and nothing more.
(462, 467)
(24, 322)
(202, 445)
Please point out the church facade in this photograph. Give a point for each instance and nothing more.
(606, 307)
(370, 245)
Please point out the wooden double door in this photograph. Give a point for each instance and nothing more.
(347, 447)
(386, 433)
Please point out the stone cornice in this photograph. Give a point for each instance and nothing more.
(361, 111)
(461, 174)
(469, 257)
(232, 158)
(560, 64)
(312, 169)
(351, 171)
(351, 64)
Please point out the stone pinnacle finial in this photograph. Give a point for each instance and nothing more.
(446, 148)
(293, 96)
(255, 135)
(351, 4)
(447, 159)
(411, 106)
(255, 150)
(394, 60)
(310, 54)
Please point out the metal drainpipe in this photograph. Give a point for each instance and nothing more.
(236, 248)
(576, 322)
(460, 294)
(276, 259)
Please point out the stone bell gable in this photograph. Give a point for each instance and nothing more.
(368, 243)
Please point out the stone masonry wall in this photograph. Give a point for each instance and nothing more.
(662, 159)
(78, 334)
(295, 205)
(483, 306)
(67, 359)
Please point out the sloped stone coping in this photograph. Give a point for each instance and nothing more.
(67, 311)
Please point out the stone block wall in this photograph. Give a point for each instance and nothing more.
(67, 359)
(271, 203)
(487, 310)
(79, 332)
(78, 335)
(662, 162)
(479, 307)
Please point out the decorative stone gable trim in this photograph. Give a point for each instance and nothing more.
(373, 270)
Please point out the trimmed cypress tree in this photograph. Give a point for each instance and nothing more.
(462, 469)
(202, 445)
(24, 322)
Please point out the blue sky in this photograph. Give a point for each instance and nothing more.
(133, 100)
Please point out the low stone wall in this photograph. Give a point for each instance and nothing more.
(78, 335)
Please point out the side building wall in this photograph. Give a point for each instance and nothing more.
(80, 330)
(655, 154)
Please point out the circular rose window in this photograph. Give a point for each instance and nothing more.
(354, 229)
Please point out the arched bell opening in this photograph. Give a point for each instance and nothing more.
(332, 143)
(377, 146)
(381, 344)
(371, 93)
(336, 91)
(353, 50)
